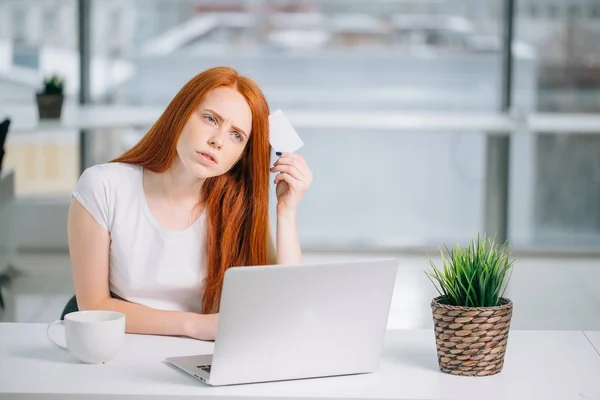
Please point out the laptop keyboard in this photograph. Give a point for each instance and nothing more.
(204, 368)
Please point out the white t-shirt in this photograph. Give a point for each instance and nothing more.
(149, 265)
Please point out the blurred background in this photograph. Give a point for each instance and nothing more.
(425, 122)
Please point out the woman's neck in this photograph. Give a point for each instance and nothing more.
(177, 184)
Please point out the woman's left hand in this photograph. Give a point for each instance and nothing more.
(292, 181)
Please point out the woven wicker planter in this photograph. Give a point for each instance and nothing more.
(471, 341)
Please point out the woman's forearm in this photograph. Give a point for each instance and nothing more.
(145, 320)
(288, 241)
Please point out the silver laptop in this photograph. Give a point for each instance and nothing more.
(296, 322)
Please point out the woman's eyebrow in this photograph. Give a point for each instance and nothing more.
(219, 116)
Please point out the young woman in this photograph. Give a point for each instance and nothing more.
(152, 232)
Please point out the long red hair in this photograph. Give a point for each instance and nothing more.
(236, 203)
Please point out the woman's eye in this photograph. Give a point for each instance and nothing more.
(211, 119)
(238, 137)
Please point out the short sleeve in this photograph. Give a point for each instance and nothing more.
(92, 191)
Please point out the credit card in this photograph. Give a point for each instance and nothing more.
(283, 137)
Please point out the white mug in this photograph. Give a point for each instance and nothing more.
(94, 336)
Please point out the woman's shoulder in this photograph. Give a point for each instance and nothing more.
(113, 169)
(109, 180)
(110, 173)
(102, 186)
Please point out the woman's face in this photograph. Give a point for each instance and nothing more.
(216, 134)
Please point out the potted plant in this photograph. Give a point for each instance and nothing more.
(50, 98)
(471, 315)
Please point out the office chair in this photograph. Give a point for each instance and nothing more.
(4, 125)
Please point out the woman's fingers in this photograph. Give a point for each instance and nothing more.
(288, 169)
(294, 160)
(283, 176)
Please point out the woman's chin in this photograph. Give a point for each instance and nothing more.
(203, 172)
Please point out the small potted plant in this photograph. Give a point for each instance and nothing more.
(50, 98)
(471, 315)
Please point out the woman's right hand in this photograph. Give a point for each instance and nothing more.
(203, 326)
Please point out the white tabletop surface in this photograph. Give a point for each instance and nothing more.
(594, 337)
(539, 365)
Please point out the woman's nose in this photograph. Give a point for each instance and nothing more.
(217, 139)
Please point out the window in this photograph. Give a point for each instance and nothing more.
(565, 184)
(19, 24)
(49, 23)
(534, 10)
(45, 163)
(385, 67)
(574, 11)
(361, 68)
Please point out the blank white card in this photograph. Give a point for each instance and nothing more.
(283, 137)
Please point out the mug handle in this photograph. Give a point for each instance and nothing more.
(50, 325)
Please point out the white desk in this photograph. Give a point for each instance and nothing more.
(594, 338)
(539, 365)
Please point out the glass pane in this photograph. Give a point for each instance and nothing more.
(564, 40)
(45, 163)
(38, 38)
(368, 60)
